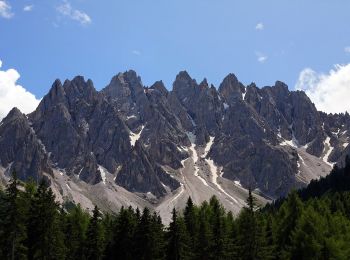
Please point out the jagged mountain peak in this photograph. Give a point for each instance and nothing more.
(126, 85)
(204, 84)
(14, 113)
(128, 77)
(159, 85)
(149, 139)
(183, 75)
(231, 89)
(79, 87)
(281, 85)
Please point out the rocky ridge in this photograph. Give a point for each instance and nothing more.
(159, 146)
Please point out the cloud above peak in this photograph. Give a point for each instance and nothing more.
(28, 8)
(65, 9)
(136, 52)
(329, 91)
(5, 10)
(259, 27)
(13, 95)
(261, 57)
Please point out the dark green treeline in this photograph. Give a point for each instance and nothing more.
(34, 226)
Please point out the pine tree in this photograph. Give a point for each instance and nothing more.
(146, 237)
(122, 245)
(76, 226)
(306, 238)
(287, 220)
(268, 247)
(204, 237)
(45, 236)
(178, 239)
(248, 232)
(190, 218)
(13, 230)
(233, 250)
(220, 238)
(94, 237)
(157, 233)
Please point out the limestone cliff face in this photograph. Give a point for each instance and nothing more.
(136, 132)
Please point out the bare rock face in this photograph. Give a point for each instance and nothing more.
(253, 135)
(201, 103)
(231, 89)
(141, 174)
(20, 148)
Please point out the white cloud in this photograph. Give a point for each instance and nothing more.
(261, 57)
(67, 10)
(13, 95)
(28, 8)
(347, 49)
(136, 52)
(259, 27)
(329, 91)
(5, 10)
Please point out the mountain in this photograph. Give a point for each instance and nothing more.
(147, 146)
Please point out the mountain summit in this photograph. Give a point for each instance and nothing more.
(152, 147)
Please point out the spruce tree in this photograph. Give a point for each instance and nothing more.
(122, 245)
(248, 232)
(190, 218)
(94, 237)
(45, 236)
(287, 220)
(76, 226)
(204, 237)
(157, 233)
(13, 230)
(307, 237)
(268, 246)
(220, 236)
(147, 236)
(178, 239)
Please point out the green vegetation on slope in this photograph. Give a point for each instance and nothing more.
(34, 226)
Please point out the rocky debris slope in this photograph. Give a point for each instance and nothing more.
(162, 146)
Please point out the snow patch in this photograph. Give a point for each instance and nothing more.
(301, 159)
(183, 162)
(307, 145)
(202, 179)
(226, 106)
(279, 132)
(178, 195)
(336, 133)
(80, 172)
(293, 143)
(244, 93)
(345, 145)
(192, 121)
(238, 183)
(215, 176)
(69, 188)
(208, 146)
(134, 137)
(129, 117)
(326, 143)
(194, 157)
(103, 172)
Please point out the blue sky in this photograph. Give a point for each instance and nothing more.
(259, 41)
